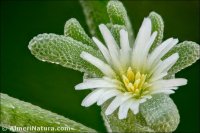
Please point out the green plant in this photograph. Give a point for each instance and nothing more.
(156, 114)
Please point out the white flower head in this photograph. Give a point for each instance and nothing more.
(131, 74)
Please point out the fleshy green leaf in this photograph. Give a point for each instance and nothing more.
(158, 114)
(157, 25)
(22, 114)
(161, 113)
(74, 29)
(189, 52)
(118, 15)
(95, 13)
(64, 51)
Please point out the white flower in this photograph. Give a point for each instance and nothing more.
(131, 75)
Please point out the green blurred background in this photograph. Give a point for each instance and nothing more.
(51, 86)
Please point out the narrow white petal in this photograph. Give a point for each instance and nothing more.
(125, 49)
(148, 45)
(92, 97)
(107, 95)
(120, 99)
(143, 35)
(103, 67)
(158, 76)
(115, 81)
(103, 49)
(150, 42)
(169, 83)
(152, 70)
(170, 61)
(171, 88)
(110, 41)
(142, 39)
(95, 83)
(112, 46)
(124, 42)
(157, 50)
(135, 107)
(125, 59)
(161, 50)
(167, 64)
(123, 109)
(166, 91)
(169, 47)
(142, 56)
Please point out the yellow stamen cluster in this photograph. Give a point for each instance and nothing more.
(134, 82)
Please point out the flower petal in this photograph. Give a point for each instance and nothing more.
(160, 51)
(95, 83)
(167, 63)
(110, 41)
(135, 107)
(147, 47)
(117, 102)
(158, 77)
(125, 49)
(142, 56)
(141, 39)
(166, 91)
(92, 97)
(112, 46)
(105, 68)
(143, 35)
(162, 67)
(103, 49)
(150, 43)
(124, 42)
(107, 95)
(123, 109)
(169, 83)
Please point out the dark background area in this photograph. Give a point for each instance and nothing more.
(51, 86)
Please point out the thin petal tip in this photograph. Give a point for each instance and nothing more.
(121, 117)
(102, 26)
(77, 87)
(107, 112)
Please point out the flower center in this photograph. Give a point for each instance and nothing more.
(134, 82)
